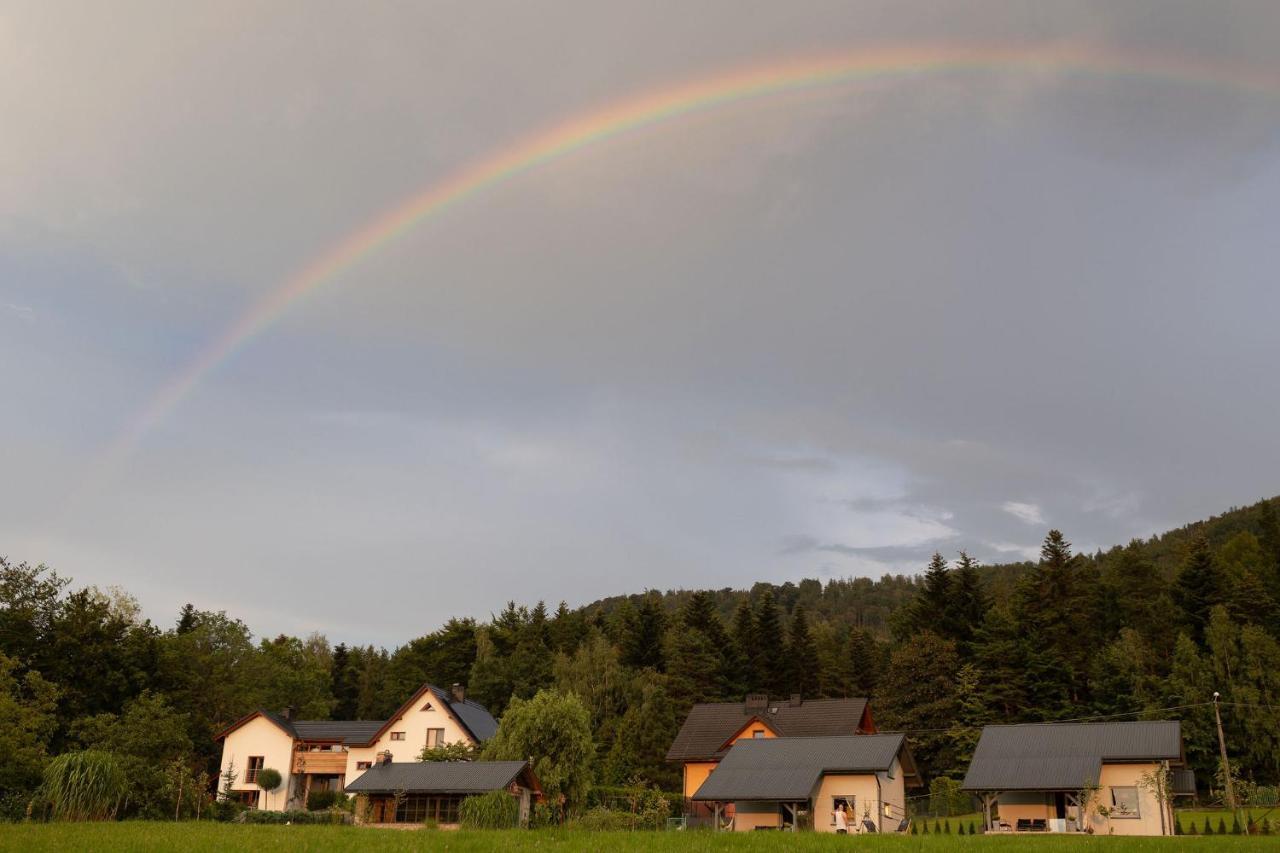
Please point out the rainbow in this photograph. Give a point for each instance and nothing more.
(642, 111)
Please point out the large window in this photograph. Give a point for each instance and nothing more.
(419, 807)
(255, 766)
(435, 737)
(850, 813)
(1124, 802)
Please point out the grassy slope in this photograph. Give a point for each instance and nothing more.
(194, 838)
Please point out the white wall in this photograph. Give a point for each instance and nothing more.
(414, 723)
(260, 736)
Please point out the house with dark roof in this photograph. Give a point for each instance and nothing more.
(414, 791)
(789, 782)
(712, 728)
(1115, 778)
(316, 755)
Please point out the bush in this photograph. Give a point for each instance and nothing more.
(320, 800)
(494, 810)
(601, 819)
(1222, 826)
(621, 797)
(1191, 828)
(1208, 827)
(541, 816)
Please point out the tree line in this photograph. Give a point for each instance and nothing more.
(1154, 625)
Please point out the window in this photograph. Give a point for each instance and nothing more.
(397, 735)
(418, 807)
(427, 707)
(249, 799)
(255, 765)
(435, 737)
(850, 814)
(757, 733)
(1124, 802)
(363, 765)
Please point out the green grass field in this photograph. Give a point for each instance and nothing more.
(194, 838)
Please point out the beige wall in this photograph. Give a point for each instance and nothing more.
(749, 815)
(1113, 775)
(414, 723)
(695, 773)
(260, 736)
(867, 795)
(1148, 820)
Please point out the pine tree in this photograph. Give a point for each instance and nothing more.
(772, 658)
(1199, 587)
(802, 655)
(1269, 538)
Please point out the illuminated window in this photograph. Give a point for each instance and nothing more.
(757, 733)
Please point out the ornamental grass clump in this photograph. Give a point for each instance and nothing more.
(494, 810)
(87, 785)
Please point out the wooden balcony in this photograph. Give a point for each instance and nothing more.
(328, 763)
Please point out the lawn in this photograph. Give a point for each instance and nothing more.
(194, 838)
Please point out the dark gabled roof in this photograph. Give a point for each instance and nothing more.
(474, 717)
(437, 777)
(1065, 756)
(787, 769)
(710, 725)
(343, 731)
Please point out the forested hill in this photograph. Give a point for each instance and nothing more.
(867, 603)
(1151, 628)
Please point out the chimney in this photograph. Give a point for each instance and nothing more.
(287, 713)
(459, 692)
(384, 757)
(755, 703)
(795, 700)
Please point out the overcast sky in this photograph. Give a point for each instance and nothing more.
(819, 334)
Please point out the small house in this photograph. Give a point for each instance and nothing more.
(1110, 778)
(794, 782)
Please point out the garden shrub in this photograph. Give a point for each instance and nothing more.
(601, 819)
(494, 810)
(321, 800)
(87, 785)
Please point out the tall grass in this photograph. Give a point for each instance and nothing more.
(88, 785)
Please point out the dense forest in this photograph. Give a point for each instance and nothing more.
(1150, 629)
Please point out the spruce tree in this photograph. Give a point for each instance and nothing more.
(802, 656)
(866, 661)
(641, 641)
(931, 608)
(1199, 587)
(342, 684)
(746, 644)
(966, 607)
(772, 658)
(187, 619)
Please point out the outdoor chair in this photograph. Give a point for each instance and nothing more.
(1024, 825)
(905, 826)
(868, 826)
(1039, 825)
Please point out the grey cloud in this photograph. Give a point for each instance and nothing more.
(854, 321)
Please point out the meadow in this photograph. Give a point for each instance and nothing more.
(197, 837)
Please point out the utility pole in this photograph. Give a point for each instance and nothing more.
(1222, 751)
